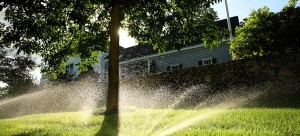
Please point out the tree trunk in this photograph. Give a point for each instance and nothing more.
(112, 102)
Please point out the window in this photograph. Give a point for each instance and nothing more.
(153, 67)
(180, 66)
(174, 67)
(168, 68)
(200, 63)
(70, 69)
(207, 61)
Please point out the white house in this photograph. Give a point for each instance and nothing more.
(142, 59)
(72, 71)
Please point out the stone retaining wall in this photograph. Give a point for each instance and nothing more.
(247, 71)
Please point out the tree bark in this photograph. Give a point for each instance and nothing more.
(112, 102)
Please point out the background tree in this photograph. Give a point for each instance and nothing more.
(15, 70)
(58, 29)
(268, 33)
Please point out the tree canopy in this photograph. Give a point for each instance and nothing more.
(55, 30)
(268, 33)
(58, 29)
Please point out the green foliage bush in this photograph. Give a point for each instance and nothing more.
(267, 33)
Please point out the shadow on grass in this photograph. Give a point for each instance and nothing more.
(110, 126)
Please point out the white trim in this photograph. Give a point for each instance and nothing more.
(207, 59)
(177, 64)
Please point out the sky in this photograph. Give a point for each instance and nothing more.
(240, 8)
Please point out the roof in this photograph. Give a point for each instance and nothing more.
(137, 51)
(234, 23)
(144, 50)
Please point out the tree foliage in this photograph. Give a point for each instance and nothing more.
(175, 22)
(268, 33)
(57, 29)
(16, 73)
(15, 70)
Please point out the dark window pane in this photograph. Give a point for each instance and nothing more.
(200, 63)
(180, 66)
(207, 62)
(175, 67)
(214, 60)
(168, 68)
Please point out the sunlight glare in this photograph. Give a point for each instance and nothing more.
(125, 40)
(2, 84)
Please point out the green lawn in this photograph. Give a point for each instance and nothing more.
(238, 121)
(270, 114)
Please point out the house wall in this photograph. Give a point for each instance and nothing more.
(99, 68)
(190, 58)
(187, 58)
